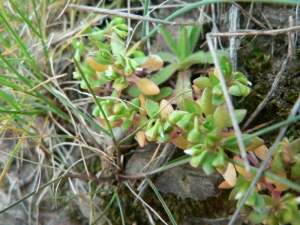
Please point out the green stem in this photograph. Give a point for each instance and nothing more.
(144, 26)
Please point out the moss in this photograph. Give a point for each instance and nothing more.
(214, 207)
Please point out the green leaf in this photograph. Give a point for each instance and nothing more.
(182, 88)
(221, 116)
(239, 116)
(206, 102)
(213, 79)
(141, 60)
(185, 122)
(126, 125)
(151, 107)
(202, 83)
(134, 91)
(196, 58)
(217, 101)
(295, 169)
(257, 217)
(285, 215)
(183, 44)
(296, 218)
(226, 65)
(233, 193)
(176, 116)
(277, 164)
(193, 37)
(8, 100)
(235, 91)
(260, 204)
(117, 44)
(164, 93)
(197, 160)
(164, 74)
(170, 41)
(191, 106)
(167, 57)
(207, 164)
(244, 89)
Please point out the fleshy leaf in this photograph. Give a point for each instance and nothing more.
(180, 142)
(239, 116)
(235, 91)
(166, 108)
(213, 79)
(202, 82)
(191, 106)
(221, 116)
(261, 152)
(279, 186)
(151, 107)
(164, 74)
(230, 175)
(206, 102)
(153, 63)
(256, 142)
(147, 86)
(257, 217)
(164, 93)
(117, 44)
(240, 169)
(217, 100)
(295, 146)
(224, 185)
(95, 65)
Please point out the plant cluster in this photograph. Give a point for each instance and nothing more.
(197, 121)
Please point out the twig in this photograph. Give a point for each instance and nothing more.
(249, 15)
(234, 24)
(254, 33)
(228, 102)
(127, 15)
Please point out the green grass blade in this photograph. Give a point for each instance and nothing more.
(174, 163)
(106, 208)
(26, 20)
(162, 201)
(39, 23)
(145, 23)
(121, 210)
(22, 46)
(26, 81)
(8, 100)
